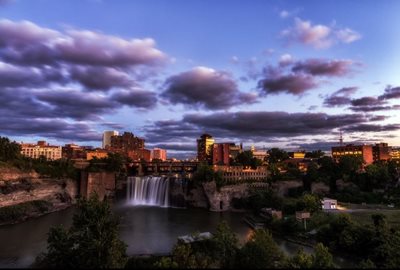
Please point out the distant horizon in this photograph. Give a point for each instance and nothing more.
(278, 73)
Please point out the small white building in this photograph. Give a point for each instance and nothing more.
(329, 204)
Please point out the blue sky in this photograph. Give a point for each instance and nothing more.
(269, 73)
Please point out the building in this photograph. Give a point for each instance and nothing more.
(41, 149)
(259, 154)
(139, 154)
(204, 148)
(97, 153)
(297, 154)
(158, 153)
(328, 204)
(381, 152)
(234, 150)
(107, 138)
(241, 173)
(364, 151)
(73, 151)
(395, 153)
(126, 142)
(221, 153)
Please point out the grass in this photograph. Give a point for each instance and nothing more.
(364, 217)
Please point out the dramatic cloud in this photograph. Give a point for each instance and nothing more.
(295, 84)
(46, 75)
(367, 101)
(77, 105)
(297, 77)
(100, 78)
(372, 128)
(323, 67)
(318, 36)
(136, 98)
(256, 126)
(206, 88)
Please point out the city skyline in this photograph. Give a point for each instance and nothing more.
(267, 73)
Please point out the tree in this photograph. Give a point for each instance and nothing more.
(91, 242)
(315, 154)
(311, 176)
(246, 158)
(311, 202)
(260, 251)
(9, 150)
(300, 260)
(322, 258)
(226, 244)
(276, 155)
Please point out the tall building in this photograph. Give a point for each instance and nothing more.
(41, 149)
(158, 153)
(107, 138)
(221, 153)
(259, 154)
(364, 151)
(381, 151)
(204, 148)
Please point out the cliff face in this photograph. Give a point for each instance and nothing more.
(221, 200)
(18, 187)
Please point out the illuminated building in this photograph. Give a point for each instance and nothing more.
(98, 153)
(41, 149)
(158, 153)
(204, 148)
(381, 151)
(107, 137)
(242, 173)
(126, 142)
(364, 151)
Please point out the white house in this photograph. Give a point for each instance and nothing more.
(328, 204)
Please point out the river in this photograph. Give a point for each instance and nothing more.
(145, 229)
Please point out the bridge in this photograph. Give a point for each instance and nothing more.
(163, 168)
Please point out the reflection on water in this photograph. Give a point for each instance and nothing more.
(145, 229)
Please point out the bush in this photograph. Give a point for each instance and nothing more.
(18, 212)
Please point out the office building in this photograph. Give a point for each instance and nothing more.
(221, 153)
(41, 149)
(107, 138)
(381, 152)
(204, 148)
(364, 151)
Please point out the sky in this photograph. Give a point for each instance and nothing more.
(289, 74)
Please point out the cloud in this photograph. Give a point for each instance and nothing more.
(390, 93)
(336, 101)
(256, 126)
(323, 67)
(317, 36)
(367, 101)
(295, 84)
(285, 59)
(136, 98)
(297, 77)
(347, 35)
(205, 88)
(100, 78)
(372, 128)
(345, 91)
(284, 14)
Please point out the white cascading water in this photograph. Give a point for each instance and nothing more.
(148, 190)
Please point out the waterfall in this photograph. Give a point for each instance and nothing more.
(148, 190)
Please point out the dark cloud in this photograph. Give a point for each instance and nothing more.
(205, 88)
(256, 126)
(100, 78)
(54, 128)
(372, 128)
(367, 101)
(390, 93)
(295, 84)
(323, 67)
(372, 108)
(175, 147)
(298, 77)
(76, 105)
(336, 101)
(136, 98)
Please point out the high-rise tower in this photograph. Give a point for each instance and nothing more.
(107, 137)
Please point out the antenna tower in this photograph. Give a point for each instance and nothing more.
(341, 138)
